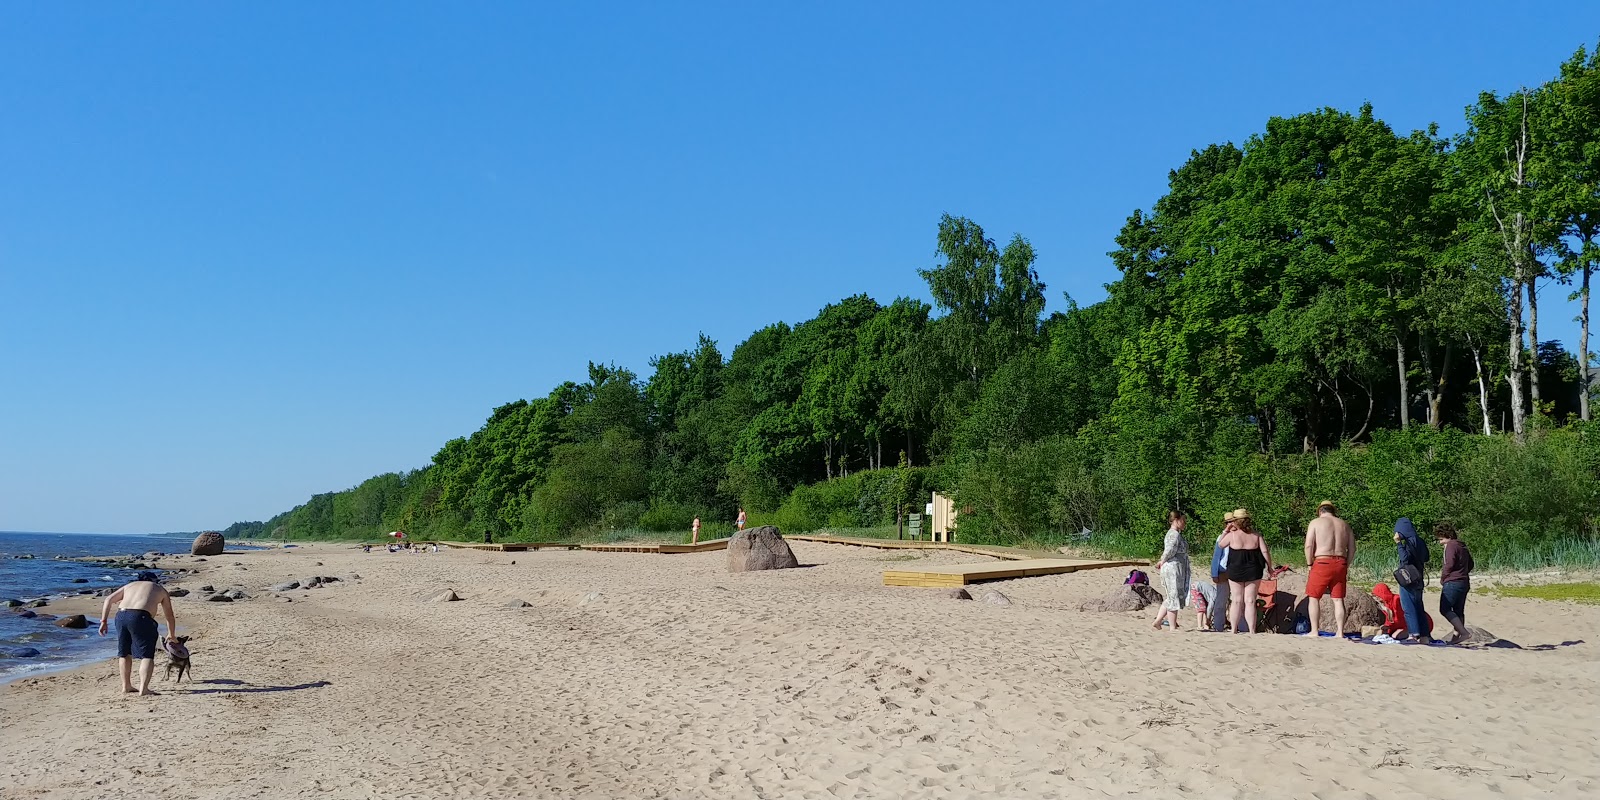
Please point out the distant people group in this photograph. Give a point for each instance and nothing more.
(1241, 560)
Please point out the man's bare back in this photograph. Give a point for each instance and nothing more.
(1328, 535)
(142, 596)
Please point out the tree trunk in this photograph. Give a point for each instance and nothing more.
(1533, 342)
(1441, 385)
(1483, 391)
(827, 457)
(1514, 357)
(1583, 343)
(1372, 403)
(1405, 389)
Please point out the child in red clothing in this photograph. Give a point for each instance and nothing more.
(1394, 618)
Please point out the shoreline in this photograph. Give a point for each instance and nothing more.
(646, 675)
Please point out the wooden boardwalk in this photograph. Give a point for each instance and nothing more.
(964, 574)
(658, 547)
(508, 547)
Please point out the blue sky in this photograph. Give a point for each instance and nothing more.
(249, 252)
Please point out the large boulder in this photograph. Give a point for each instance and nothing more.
(207, 544)
(758, 549)
(75, 621)
(1360, 611)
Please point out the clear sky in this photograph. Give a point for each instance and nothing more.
(249, 252)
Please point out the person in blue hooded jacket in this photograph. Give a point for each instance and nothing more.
(1413, 554)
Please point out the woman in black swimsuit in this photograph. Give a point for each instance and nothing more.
(1248, 559)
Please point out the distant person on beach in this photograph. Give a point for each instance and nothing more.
(1411, 576)
(739, 523)
(694, 531)
(1248, 559)
(137, 631)
(1455, 580)
(1219, 577)
(488, 537)
(1330, 544)
(1174, 568)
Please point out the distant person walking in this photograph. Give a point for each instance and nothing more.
(137, 631)
(694, 531)
(488, 537)
(1174, 568)
(1411, 575)
(739, 523)
(1330, 544)
(1455, 580)
(1248, 558)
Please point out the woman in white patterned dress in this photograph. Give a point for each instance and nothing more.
(1174, 569)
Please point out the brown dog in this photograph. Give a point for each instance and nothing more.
(177, 656)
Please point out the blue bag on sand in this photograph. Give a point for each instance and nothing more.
(1302, 624)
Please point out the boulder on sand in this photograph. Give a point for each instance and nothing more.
(1360, 611)
(1127, 597)
(446, 596)
(758, 549)
(207, 544)
(958, 594)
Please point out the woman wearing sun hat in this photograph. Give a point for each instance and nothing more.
(1248, 559)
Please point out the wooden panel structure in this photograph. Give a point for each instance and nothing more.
(508, 547)
(944, 518)
(965, 574)
(702, 547)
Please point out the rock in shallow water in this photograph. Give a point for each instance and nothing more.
(23, 652)
(76, 621)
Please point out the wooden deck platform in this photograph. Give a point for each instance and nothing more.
(965, 574)
(1008, 553)
(509, 547)
(658, 547)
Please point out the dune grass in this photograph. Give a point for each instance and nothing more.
(1587, 592)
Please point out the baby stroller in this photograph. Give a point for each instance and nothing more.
(1274, 613)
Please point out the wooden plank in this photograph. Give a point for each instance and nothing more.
(700, 547)
(965, 574)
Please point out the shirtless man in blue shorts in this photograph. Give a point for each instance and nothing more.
(136, 626)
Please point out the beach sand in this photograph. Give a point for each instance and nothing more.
(640, 675)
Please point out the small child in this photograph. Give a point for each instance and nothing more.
(1197, 598)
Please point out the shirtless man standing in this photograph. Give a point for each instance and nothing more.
(136, 626)
(1330, 544)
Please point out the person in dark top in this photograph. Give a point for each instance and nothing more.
(1248, 560)
(1413, 554)
(1455, 580)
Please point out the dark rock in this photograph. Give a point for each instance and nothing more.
(958, 594)
(25, 613)
(200, 559)
(45, 617)
(75, 622)
(178, 592)
(236, 594)
(995, 598)
(11, 603)
(80, 580)
(310, 582)
(208, 588)
(285, 586)
(207, 544)
(760, 548)
(39, 603)
(85, 591)
(219, 598)
(23, 652)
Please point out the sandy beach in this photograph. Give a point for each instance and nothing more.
(664, 676)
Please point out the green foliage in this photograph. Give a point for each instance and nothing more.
(1331, 310)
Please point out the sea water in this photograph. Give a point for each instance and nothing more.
(47, 574)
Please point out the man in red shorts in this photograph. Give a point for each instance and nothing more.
(1330, 544)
